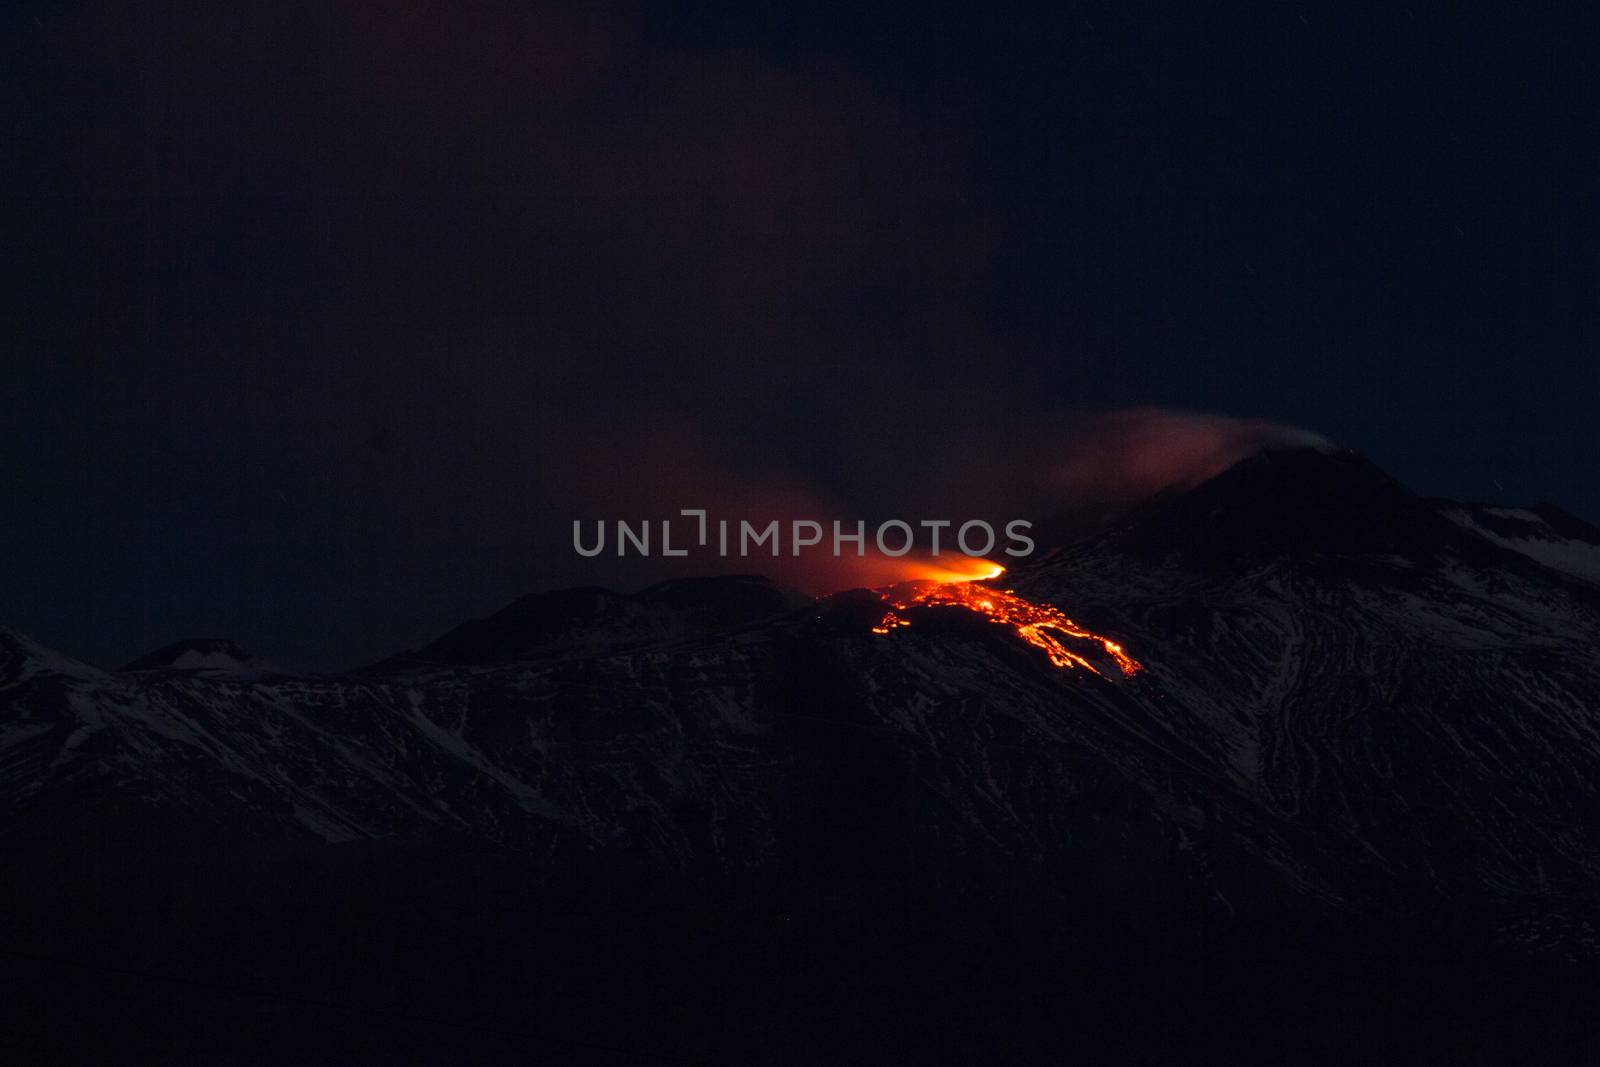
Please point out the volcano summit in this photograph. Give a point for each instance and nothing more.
(1346, 799)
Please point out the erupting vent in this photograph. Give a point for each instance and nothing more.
(1041, 625)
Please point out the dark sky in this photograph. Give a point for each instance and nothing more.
(325, 319)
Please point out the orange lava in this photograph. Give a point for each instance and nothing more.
(956, 584)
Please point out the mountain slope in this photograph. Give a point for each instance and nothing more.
(1376, 699)
(1360, 711)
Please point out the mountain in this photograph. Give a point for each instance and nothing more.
(1348, 808)
(590, 620)
(201, 654)
(1543, 533)
(1358, 661)
(22, 658)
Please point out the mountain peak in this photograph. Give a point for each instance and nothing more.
(1303, 467)
(200, 654)
(22, 657)
(1291, 503)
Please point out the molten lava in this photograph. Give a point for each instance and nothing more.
(956, 584)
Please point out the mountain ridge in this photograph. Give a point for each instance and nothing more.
(1337, 750)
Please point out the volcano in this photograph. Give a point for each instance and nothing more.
(1294, 765)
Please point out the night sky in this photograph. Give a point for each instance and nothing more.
(324, 320)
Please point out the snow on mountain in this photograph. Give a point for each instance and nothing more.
(1543, 533)
(202, 654)
(1351, 695)
(22, 658)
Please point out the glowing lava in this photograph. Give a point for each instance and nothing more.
(951, 569)
(955, 584)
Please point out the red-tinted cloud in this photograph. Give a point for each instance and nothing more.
(1080, 468)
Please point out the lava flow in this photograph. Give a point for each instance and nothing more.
(957, 585)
